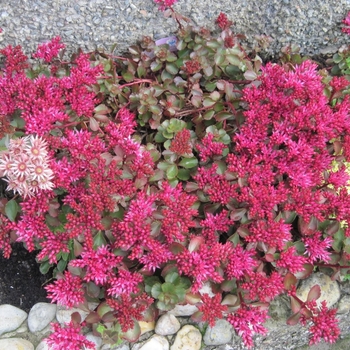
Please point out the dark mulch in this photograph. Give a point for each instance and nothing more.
(20, 279)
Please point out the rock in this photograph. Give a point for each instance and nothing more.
(183, 310)
(42, 346)
(221, 333)
(156, 342)
(118, 347)
(330, 291)
(344, 305)
(11, 318)
(167, 324)
(63, 315)
(40, 315)
(96, 340)
(206, 289)
(15, 344)
(146, 326)
(188, 338)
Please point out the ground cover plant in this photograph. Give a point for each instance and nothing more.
(142, 177)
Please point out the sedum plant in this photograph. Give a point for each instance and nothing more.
(140, 178)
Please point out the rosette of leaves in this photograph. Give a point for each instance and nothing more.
(176, 166)
(340, 62)
(169, 293)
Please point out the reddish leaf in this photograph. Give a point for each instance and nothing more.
(192, 299)
(289, 281)
(314, 293)
(308, 268)
(108, 317)
(133, 333)
(92, 317)
(195, 243)
(103, 308)
(197, 316)
(230, 300)
(295, 304)
(269, 257)
(294, 319)
(306, 312)
(76, 317)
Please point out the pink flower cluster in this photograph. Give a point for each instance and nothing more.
(68, 337)
(163, 4)
(346, 21)
(26, 166)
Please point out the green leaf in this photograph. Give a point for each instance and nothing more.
(183, 174)
(208, 102)
(168, 288)
(141, 71)
(224, 116)
(11, 209)
(172, 277)
(171, 68)
(189, 163)
(172, 171)
(128, 77)
(159, 138)
(156, 66)
(208, 115)
(61, 266)
(234, 60)
(99, 240)
(45, 267)
(156, 290)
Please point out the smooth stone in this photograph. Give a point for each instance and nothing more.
(15, 344)
(42, 346)
(11, 318)
(63, 315)
(188, 338)
(96, 340)
(167, 324)
(40, 315)
(146, 326)
(156, 342)
(220, 334)
(118, 347)
(344, 305)
(183, 310)
(206, 289)
(330, 291)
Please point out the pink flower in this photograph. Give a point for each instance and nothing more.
(68, 337)
(291, 261)
(248, 321)
(346, 21)
(212, 308)
(26, 166)
(127, 309)
(209, 148)
(48, 51)
(316, 248)
(223, 21)
(165, 3)
(240, 262)
(98, 264)
(125, 283)
(325, 325)
(181, 144)
(67, 291)
(262, 287)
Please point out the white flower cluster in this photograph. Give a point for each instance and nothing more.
(26, 166)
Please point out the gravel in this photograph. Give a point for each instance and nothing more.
(313, 24)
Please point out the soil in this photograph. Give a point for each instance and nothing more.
(21, 282)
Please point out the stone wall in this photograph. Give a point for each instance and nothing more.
(314, 25)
